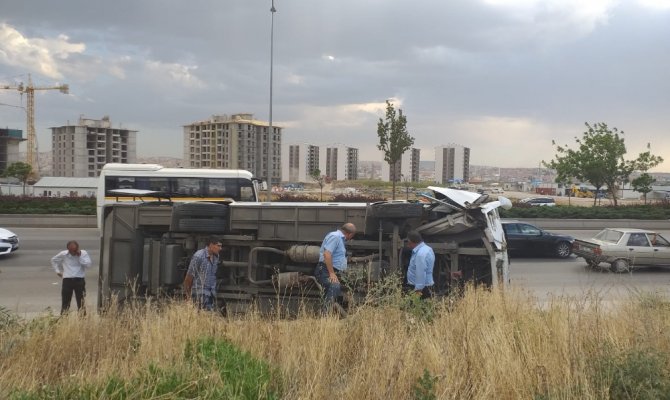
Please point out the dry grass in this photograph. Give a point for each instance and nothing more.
(485, 345)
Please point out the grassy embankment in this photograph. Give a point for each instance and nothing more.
(487, 345)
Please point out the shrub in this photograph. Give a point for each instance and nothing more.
(637, 374)
(356, 198)
(47, 205)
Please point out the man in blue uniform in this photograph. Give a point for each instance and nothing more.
(420, 270)
(332, 262)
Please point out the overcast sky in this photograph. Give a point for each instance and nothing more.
(503, 77)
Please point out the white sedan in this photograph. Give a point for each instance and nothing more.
(9, 242)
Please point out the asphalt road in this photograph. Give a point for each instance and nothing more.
(29, 286)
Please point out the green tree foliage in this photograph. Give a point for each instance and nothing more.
(20, 171)
(394, 139)
(599, 159)
(643, 184)
(318, 178)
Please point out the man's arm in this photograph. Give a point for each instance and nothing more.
(188, 285)
(56, 263)
(85, 259)
(420, 278)
(328, 260)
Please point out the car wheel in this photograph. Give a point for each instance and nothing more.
(620, 266)
(563, 249)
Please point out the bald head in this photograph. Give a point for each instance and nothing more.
(349, 230)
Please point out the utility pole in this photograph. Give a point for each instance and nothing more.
(273, 10)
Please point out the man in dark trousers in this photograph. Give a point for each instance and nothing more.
(70, 265)
(200, 281)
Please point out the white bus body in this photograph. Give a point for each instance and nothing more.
(175, 184)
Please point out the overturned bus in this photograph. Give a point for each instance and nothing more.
(270, 249)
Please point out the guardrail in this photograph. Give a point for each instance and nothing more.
(597, 224)
(48, 221)
(89, 221)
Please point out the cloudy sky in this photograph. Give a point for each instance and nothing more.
(503, 77)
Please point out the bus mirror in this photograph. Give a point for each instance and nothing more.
(263, 185)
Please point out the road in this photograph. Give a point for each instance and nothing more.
(29, 286)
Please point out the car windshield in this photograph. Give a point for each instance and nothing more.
(609, 235)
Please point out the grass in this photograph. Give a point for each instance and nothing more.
(486, 344)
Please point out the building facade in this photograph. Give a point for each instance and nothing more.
(452, 164)
(299, 161)
(406, 169)
(234, 142)
(82, 150)
(341, 163)
(9, 147)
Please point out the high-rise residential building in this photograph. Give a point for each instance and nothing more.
(299, 161)
(406, 169)
(9, 147)
(83, 149)
(234, 142)
(341, 163)
(452, 164)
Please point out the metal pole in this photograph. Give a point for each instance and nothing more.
(273, 10)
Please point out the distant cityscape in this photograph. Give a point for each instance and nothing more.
(239, 141)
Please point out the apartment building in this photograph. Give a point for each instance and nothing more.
(299, 161)
(452, 164)
(406, 169)
(9, 147)
(341, 163)
(237, 141)
(82, 150)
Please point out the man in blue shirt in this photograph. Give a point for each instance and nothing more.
(420, 270)
(333, 261)
(200, 281)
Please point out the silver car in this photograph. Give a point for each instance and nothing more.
(624, 248)
(9, 242)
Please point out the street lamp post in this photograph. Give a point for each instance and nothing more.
(270, 160)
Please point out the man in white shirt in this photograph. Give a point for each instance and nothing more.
(70, 265)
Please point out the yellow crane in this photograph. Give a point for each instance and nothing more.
(29, 91)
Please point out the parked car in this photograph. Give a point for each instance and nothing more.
(539, 201)
(526, 239)
(9, 242)
(624, 249)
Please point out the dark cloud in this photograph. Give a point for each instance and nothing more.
(486, 74)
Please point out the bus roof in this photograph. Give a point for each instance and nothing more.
(159, 170)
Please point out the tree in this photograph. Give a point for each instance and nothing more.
(316, 175)
(643, 184)
(599, 159)
(21, 171)
(394, 139)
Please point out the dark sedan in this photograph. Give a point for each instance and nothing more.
(526, 239)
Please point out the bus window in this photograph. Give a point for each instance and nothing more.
(222, 187)
(158, 184)
(189, 187)
(246, 190)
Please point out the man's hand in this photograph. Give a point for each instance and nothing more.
(78, 253)
(333, 278)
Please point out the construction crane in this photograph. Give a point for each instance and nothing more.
(29, 90)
